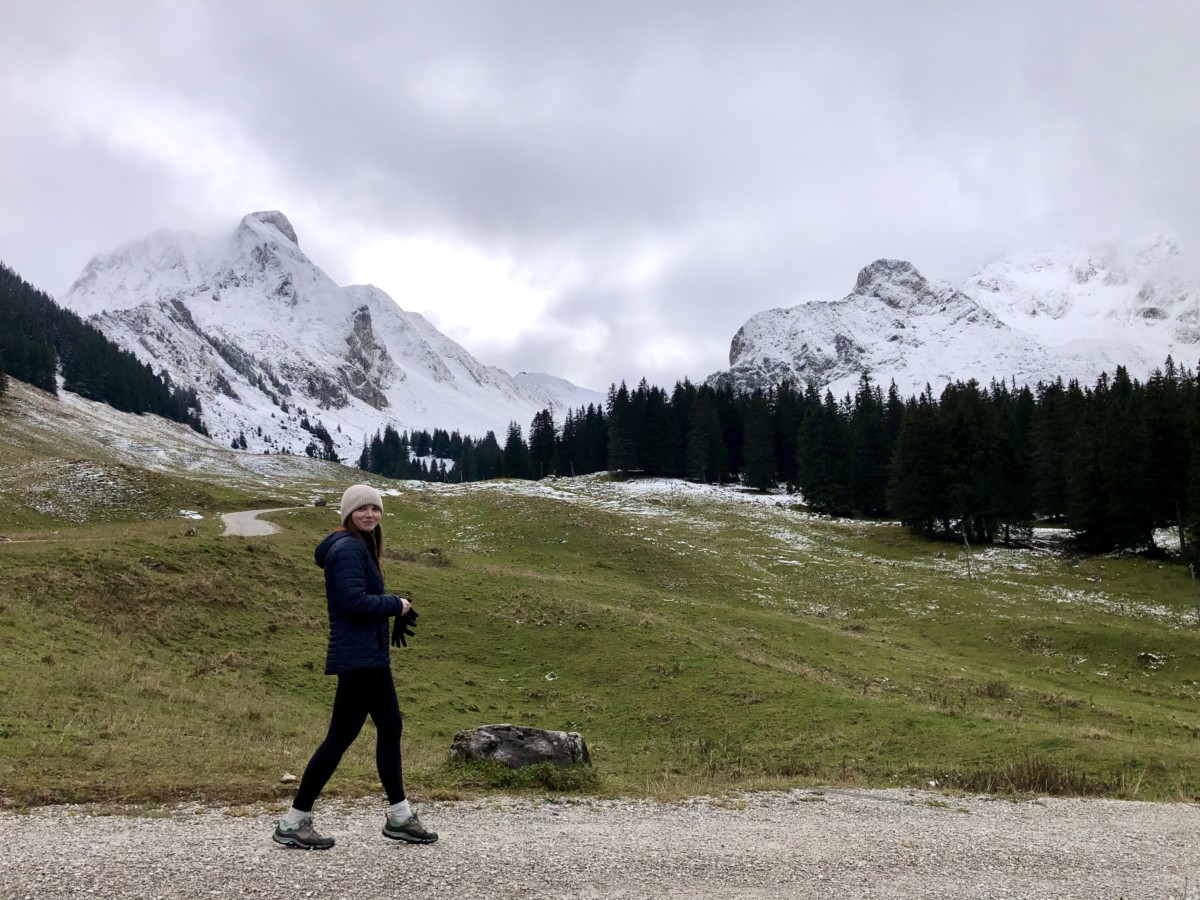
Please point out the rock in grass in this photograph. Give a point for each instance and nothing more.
(517, 746)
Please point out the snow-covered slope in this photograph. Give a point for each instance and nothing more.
(1028, 319)
(1142, 299)
(266, 337)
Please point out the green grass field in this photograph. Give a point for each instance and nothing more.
(703, 642)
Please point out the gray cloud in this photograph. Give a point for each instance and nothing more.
(689, 163)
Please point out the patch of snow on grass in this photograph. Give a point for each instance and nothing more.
(1101, 600)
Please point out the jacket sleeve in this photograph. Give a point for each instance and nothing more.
(347, 569)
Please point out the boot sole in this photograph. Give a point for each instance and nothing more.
(296, 845)
(407, 838)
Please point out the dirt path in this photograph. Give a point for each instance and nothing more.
(825, 844)
(237, 524)
(248, 523)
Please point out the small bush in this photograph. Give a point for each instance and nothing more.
(997, 690)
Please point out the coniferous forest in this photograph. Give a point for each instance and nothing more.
(40, 340)
(1113, 461)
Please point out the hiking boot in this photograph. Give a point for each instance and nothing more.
(410, 830)
(303, 837)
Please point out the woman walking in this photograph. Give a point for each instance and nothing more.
(359, 655)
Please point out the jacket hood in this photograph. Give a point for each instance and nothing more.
(326, 545)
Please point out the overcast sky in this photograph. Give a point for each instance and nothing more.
(599, 190)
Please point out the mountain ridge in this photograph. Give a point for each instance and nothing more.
(1028, 318)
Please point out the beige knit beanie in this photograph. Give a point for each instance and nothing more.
(356, 496)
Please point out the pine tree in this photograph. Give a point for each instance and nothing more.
(487, 455)
(515, 461)
(822, 454)
(568, 443)
(656, 449)
(682, 399)
(706, 462)
(622, 444)
(543, 445)
(596, 440)
(440, 443)
(1167, 448)
(1086, 487)
(387, 454)
(788, 413)
(1126, 467)
(893, 414)
(583, 447)
(760, 468)
(1055, 418)
(467, 468)
(422, 443)
(1015, 501)
(971, 467)
(916, 493)
(870, 451)
(729, 414)
(1190, 403)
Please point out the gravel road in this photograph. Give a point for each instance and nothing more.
(801, 844)
(248, 524)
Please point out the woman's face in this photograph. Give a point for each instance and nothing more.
(365, 518)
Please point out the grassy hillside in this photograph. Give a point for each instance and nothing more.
(701, 640)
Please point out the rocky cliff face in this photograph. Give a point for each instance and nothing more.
(265, 336)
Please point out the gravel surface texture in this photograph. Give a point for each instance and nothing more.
(801, 844)
(248, 523)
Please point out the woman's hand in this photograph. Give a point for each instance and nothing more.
(404, 628)
(406, 606)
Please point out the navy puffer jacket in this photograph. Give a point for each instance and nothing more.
(358, 608)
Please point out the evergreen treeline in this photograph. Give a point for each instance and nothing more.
(396, 454)
(40, 340)
(581, 446)
(1113, 462)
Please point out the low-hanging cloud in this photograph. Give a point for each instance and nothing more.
(659, 171)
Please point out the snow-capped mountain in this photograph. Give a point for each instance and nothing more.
(266, 337)
(1072, 313)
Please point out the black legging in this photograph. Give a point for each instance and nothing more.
(360, 693)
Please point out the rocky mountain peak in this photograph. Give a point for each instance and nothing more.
(277, 220)
(894, 281)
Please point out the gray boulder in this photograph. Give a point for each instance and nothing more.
(517, 746)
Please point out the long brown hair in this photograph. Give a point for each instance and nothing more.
(373, 539)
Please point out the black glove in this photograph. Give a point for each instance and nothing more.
(404, 626)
